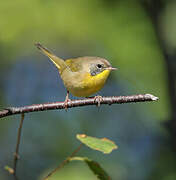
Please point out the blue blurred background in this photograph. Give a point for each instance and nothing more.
(138, 37)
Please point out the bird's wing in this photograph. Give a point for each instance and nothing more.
(74, 64)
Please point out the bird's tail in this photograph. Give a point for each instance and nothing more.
(58, 62)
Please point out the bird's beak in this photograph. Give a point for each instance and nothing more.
(111, 68)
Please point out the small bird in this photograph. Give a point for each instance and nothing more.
(82, 76)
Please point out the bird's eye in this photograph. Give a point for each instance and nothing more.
(99, 65)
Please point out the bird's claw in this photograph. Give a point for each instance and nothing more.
(98, 99)
(67, 100)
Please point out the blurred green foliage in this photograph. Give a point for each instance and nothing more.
(123, 31)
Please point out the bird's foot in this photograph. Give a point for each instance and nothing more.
(67, 100)
(98, 99)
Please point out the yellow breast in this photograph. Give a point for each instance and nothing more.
(90, 84)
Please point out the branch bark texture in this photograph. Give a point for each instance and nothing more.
(76, 103)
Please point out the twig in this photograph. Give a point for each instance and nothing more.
(78, 102)
(16, 154)
(63, 163)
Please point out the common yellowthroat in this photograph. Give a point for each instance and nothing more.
(82, 76)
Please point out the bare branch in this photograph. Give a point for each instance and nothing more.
(16, 154)
(78, 102)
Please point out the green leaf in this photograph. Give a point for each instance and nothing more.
(104, 145)
(94, 167)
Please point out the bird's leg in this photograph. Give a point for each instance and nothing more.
(67, 100)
